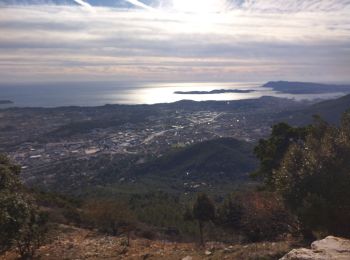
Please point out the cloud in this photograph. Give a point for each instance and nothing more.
(295, 6)
(249, 42)
(252, 5)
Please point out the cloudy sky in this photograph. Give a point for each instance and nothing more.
(174, 40)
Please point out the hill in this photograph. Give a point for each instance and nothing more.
(329, 110)
(214, 161)
(306, 87)
(255, 105)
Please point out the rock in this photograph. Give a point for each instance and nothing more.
(333, 244)
(227, 250)
(187, 258)
(330, 248)
(146, 256)
(304, 254)
(207, 252)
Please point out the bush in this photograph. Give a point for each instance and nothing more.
(148, 234)
(21, 223)
(109, 216)
(32, 234)
(257, 216)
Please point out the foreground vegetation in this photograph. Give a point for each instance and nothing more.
(21, 223)
(310, 168)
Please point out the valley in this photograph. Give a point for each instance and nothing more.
(115, 138)
(72, 149)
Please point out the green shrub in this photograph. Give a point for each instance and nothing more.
(314, 178)
(203, 211)
(21, 223)
(312, 173)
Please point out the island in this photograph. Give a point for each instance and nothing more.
(215, 91)
(5, 102)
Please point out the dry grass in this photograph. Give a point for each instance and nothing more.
(75, 243)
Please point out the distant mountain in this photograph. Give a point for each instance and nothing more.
(305, 87)
(255, 105)
(329, 110)
(214, 161)
(5, 102)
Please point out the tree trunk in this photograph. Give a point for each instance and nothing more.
(128, 237)
(308, 235)
(200, 223)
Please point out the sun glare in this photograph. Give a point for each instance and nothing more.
(199, 6)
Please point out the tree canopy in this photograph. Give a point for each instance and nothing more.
(311, 171)
(270, 152)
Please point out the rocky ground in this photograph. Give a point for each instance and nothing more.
(76, 243)
(330, 248)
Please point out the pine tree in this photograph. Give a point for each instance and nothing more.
(203, 211)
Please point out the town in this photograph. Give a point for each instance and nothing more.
(40, 138)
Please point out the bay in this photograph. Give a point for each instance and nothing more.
(102, 93)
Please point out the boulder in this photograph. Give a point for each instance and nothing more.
(207, 252)
(330, 248)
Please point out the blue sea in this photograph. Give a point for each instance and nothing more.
(101, 93)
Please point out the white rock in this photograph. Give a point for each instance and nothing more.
(187, 258)
(330, 248)
(332, 244)
(207, 252)
(305, 254)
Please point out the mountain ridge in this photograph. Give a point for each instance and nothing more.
(329, 110)
(295, 87)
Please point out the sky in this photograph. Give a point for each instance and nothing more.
(174, 40)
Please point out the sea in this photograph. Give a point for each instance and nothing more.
(102, 93)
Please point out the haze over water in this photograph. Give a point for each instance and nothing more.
(101, 93)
